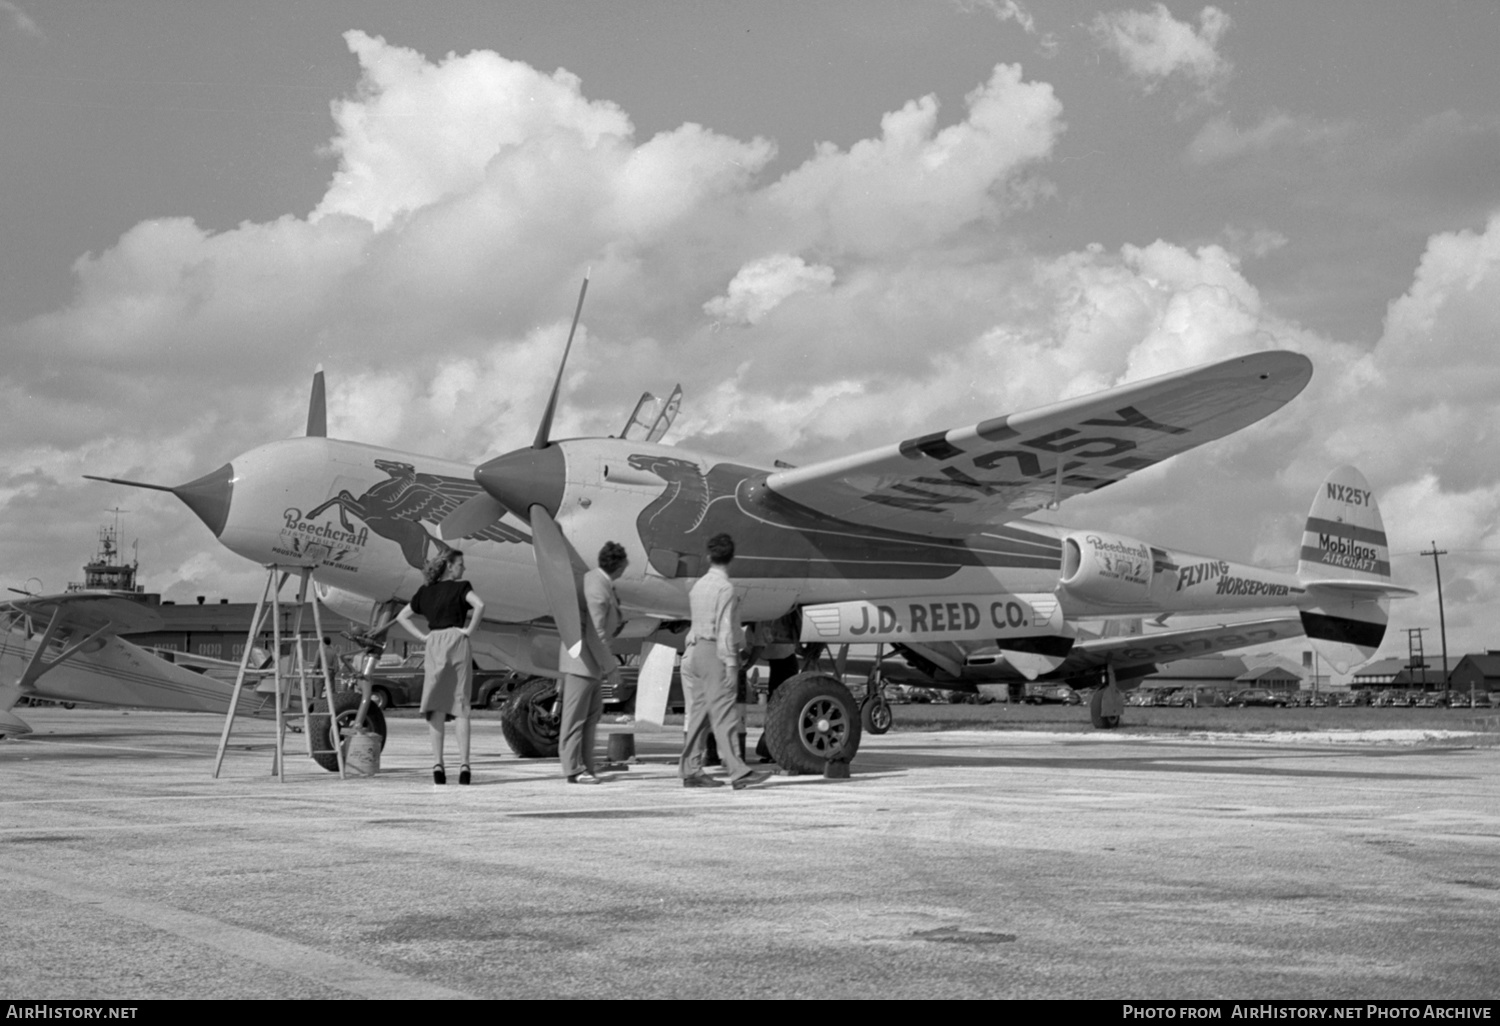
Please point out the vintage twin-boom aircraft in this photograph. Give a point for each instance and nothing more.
(922, 547)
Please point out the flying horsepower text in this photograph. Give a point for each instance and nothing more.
(1277, 1010)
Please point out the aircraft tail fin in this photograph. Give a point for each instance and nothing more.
(1345, 565)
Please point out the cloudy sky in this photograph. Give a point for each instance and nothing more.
(836, 223)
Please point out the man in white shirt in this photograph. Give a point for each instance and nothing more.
(710, 674)
(582, 701)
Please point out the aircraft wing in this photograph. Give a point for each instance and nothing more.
(89, 611)
(956, 482)
(1169, 646)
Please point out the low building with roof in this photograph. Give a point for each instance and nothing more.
(1272, 677)
(1481, 672)
(1217, 671)
(1379, 673)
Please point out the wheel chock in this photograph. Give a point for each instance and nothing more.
(621, 746)
(836, 769)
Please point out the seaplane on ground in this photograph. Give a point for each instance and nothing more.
(922, 547)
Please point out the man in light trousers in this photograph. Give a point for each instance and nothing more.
(710, 674)
(582, 700)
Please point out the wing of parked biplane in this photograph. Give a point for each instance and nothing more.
(65, 648)
(959, 481)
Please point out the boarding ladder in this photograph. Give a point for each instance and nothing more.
(309, 657)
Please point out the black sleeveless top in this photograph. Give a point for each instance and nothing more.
(442, 604)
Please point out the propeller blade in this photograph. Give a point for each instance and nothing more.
(560, 587)
(473, 515)
(543, 432)
(317, 408)
(554, 559)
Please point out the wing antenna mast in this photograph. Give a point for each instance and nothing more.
(542, 433)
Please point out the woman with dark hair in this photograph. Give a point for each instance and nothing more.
(445, 602)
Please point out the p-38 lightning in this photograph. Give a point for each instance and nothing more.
(922, 547)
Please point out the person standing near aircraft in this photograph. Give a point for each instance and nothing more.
(582, 698)
(445, 601)
(710, 671)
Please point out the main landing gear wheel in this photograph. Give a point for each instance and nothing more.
(530, 722)
(812, 718)
(1106, 705)
(875, 714)
(345, 709)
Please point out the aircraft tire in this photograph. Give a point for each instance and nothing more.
(529, 726)
(345, 708)
(875, 717)
(1101, 719)
(812, 718)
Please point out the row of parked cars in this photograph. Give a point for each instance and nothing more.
(1196, 696)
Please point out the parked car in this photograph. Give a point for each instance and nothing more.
(399, 683)
(1193, 697)
(1258, 696)
(1042, 694)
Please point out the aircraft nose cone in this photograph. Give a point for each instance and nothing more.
(209, 497)
(525, 478)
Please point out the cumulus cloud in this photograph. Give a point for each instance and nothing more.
(20, 20)
(918, 183)
(761, 286)
(868, 294)
(1154, 46)
(1011, 11)
(1220, 139)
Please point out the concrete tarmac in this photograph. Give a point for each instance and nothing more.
(974, 863)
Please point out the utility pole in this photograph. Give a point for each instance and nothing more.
(1416, 658)
(1437, 571)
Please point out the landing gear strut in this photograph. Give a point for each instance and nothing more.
(1107, 703)
(875, 711)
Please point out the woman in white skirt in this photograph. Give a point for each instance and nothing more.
(445, 602)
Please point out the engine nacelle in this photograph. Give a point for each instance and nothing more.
(1106, 569)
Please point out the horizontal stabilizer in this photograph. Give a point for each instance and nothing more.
(1362, 588)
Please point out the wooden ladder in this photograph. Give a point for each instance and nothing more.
(303, 663)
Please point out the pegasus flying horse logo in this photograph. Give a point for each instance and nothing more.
(397, 507)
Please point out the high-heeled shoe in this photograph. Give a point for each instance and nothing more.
(438, 776)
(463, 774)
